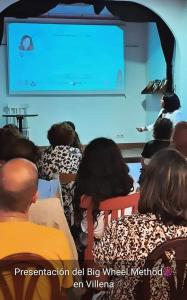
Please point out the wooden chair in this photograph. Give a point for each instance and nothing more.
(67, 178)
(26, 261)
(110, 207)
(177, 283)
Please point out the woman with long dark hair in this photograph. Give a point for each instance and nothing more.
(102, 174)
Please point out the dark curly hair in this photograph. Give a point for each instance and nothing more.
(163, 129)
(61, 134)
(76, 142)
(23, 148)
(171, 102)
(163, 191)
(102, 174)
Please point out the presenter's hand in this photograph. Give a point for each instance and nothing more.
(140, 129)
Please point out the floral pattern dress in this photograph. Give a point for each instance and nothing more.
(61, 159)
(125, 245)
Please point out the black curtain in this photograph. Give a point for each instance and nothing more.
(168, 44)
(29, 8)
(131, 12)
(125, 10)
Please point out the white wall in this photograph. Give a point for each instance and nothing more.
(156, 69)
(114, 117)
(174, 13)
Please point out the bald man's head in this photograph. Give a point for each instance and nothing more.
(18, 185)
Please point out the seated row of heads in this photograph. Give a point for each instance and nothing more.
(15, 145)
(102, 173)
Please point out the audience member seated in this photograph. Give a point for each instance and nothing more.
(162, 132)
(49, 211)
(7, 137)
(18, 190)
(60, 157)
(13, 127)
(102, 175)
(24, 148)
(76, 142)
(180, 137)
(162, 216)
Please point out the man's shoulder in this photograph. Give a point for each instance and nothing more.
(46, 230)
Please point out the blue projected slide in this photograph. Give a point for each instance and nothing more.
(64, 58)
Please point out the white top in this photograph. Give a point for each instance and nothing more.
(174, 117)
(99, 224)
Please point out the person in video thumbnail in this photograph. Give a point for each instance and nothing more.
(26, 43)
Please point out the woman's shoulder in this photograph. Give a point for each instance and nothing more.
(135, 220)
(68, 149)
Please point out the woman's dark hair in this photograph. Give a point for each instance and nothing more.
(171, 103)
(70, 124)
(163, 129)
(102, 174)
(163, 191)
(7, 137)
(76, 142)
(61, 134)
(23, 148)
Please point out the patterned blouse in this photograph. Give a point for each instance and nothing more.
(61, 159)
(125, 245)
(64, 159)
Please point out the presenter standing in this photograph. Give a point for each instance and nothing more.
(170, 109)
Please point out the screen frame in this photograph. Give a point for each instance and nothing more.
(62, 21)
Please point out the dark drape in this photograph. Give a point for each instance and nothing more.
(131, 12)
(25, 9)
(168, 44)
(29, 8)
(125, 10)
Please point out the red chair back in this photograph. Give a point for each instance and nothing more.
(26, 261)
(111, 207)
(177, 282)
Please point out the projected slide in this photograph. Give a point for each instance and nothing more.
(64, 58)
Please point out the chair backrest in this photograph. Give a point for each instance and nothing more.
(177, 280)
(67, 178)
(50, 212)
(25, 261)
(110, 207)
